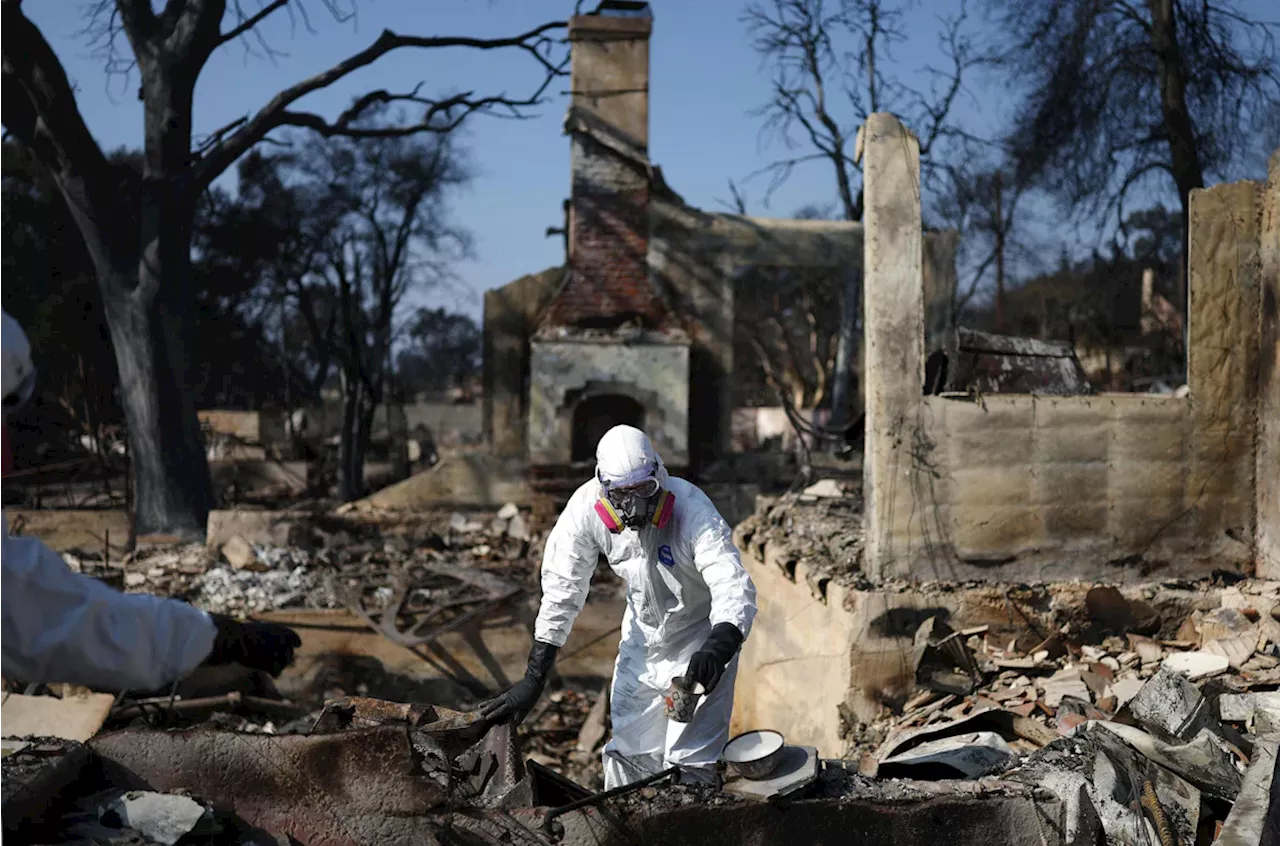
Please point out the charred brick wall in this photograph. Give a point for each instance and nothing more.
(609, 243)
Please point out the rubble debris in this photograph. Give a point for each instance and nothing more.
(1171, 705)
(970, 755)
(825, 534)
(1238, 707)
(552, 733)
(240, 555)
(364, 785)
(595, 726)
(33, 778)
(161, 818)
(1197, 664)
(432, 598)
(1254, 819)
(223, 590)
(76, 715)
(944, 663)
(1067, 681)
(823, 488)
(1206, 761)
(204, 706)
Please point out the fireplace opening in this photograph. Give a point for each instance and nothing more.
(598, 414)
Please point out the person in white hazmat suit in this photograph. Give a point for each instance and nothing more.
(60, 626)
(690, 604)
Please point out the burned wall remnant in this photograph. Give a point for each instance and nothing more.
(646, 303)
(510, 317)
(1028, 487)
(1268, 475)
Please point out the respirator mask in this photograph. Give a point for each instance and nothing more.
(634, 499)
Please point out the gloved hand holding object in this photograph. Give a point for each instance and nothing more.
(516, 703)
(708, 663)
(258, 646)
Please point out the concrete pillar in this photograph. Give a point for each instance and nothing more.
(1268, 455)
(893, 303)
(1222, 360)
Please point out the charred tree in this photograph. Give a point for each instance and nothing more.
(143, 261)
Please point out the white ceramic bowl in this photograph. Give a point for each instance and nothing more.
(755, 754)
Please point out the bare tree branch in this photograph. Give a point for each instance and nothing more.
(249, 22)
(276, 113)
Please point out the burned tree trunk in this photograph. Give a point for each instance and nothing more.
(350, 456)
(1188, 172)
(152, 326)
(173, 488)
(1184, 156)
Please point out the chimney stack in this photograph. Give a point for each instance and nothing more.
(608, 121)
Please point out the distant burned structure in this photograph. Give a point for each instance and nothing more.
(638, 326)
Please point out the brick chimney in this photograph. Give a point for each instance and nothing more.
(608, 284)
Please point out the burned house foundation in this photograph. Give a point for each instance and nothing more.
(1022, 604)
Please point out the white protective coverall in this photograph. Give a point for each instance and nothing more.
(681, 580)
(62, 626)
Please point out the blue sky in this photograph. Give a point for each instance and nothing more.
(705, 82)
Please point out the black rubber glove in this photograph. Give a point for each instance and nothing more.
(516, 703)
(258, 646)
(708, 663)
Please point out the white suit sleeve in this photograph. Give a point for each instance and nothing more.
(60, 626)
(567, 564)
(733, 594)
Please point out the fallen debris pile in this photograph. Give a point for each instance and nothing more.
(247, 575)
(1174, 724)
(820, 526)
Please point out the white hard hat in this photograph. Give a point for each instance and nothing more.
(19, 374)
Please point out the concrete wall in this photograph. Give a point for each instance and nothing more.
(510, 317)
(1268, 475)
(563, 372)
(1012, 487)
(796, 665)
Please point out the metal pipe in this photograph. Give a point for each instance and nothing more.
(600, 797)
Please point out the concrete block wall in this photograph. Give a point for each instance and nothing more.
(1019, 487)
(1268, 475)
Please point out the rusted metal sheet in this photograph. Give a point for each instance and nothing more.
(362, 786)
(1002, 364)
